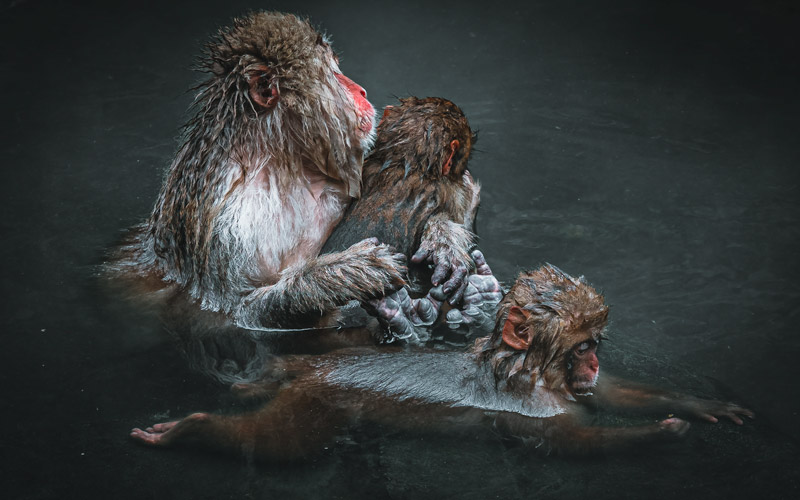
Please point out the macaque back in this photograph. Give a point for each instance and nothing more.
(417, 170)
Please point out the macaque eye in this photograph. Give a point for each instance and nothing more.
(583, 347)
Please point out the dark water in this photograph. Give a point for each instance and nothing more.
(651, 146)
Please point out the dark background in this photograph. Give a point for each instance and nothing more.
(651, 146)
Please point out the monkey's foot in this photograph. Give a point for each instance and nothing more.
(481, 296)
(408, 318)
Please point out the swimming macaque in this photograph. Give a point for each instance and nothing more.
(532, 378)
(418, 197)
(268, 164)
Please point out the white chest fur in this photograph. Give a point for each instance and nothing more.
(268, 227)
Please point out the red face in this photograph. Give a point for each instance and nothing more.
(584, 366)
(364, 110)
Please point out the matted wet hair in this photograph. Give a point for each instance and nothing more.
(562, 311)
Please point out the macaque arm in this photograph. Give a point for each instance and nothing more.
(563, 434)
(293, 425)
(362, 272)
(618, 393)
(447, 245)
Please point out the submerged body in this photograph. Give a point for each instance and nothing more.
(531, 378)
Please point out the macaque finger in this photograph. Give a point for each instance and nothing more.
(456, 285)
(427, 309)
(708, 417)
(164, 426)
(144, 436)
(385, 308)
(473, 315)
(734, 412)
(441, 271)
(481, 266)
(487, 288)
(472, 296)
(745, 412)
(437, 293)
(408, 307)
(454, 318)
(403, 315)
(421, 255)
(458, 295)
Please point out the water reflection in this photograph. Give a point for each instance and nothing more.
(213, 345)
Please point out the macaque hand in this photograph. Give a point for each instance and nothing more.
(408, 318)
(711, 409)
(481, 296)
(390, 265)
(451, 266)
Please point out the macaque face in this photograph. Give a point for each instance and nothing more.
(583, 366)
(364, 111)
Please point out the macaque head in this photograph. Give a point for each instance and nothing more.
(548, 328)
(447, 143)
(285, 96)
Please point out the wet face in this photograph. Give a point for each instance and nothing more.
(365, 112)
(583, 366)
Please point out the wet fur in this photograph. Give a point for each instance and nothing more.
(253, 193)
(563, 309)
(405, 197)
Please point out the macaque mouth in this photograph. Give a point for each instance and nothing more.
(584, 385)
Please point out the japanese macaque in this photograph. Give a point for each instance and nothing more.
(418, 197)
(532, 378)
(268, 164)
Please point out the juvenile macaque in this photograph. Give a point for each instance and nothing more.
(531, 378)
(418, 197)
(268, 164)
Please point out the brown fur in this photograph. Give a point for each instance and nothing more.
(565, 311)
(406, 197)
(317, 397)
(267, 165)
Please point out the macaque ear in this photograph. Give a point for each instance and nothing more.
(515, 333)
(386, 111)
(263, 89)
(454, 144)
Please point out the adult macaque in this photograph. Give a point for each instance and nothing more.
(531, 378)
(268, 164)
(418, 197)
